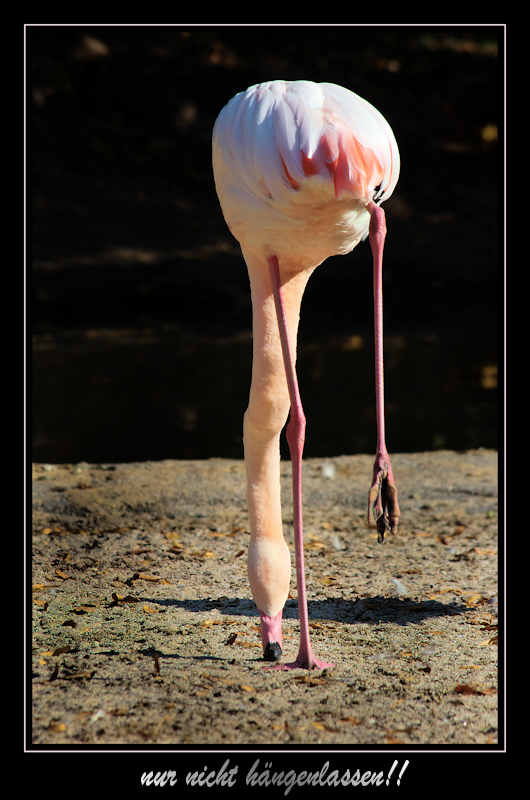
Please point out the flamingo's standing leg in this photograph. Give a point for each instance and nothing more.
(383, 508)
(269, 560)
(295, 439)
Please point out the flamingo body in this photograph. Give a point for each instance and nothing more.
(285, 152)
(300, 170)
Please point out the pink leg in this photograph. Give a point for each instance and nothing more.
(295, 438)
(383, 508)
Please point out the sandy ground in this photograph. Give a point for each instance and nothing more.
(144, 630)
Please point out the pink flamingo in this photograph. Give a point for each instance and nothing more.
(300, 170)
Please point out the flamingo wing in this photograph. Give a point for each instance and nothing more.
(276, 135)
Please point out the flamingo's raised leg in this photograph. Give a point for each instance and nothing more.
(383, 508)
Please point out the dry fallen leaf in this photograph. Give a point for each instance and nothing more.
(491, 640)
(465, 688)
(328, 580)
(119, 598)
(119, 712)
(321, 726)
(202, 554)
(475, 600)
(391, 737)
(60, 650)
(82, 610)
(83, 714)
(310, 681)
(76, 676)
(314, 543)
(489, 626)
(57, 727)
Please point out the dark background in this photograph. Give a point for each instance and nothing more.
(139, 295)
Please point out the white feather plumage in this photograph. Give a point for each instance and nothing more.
(296, 163)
